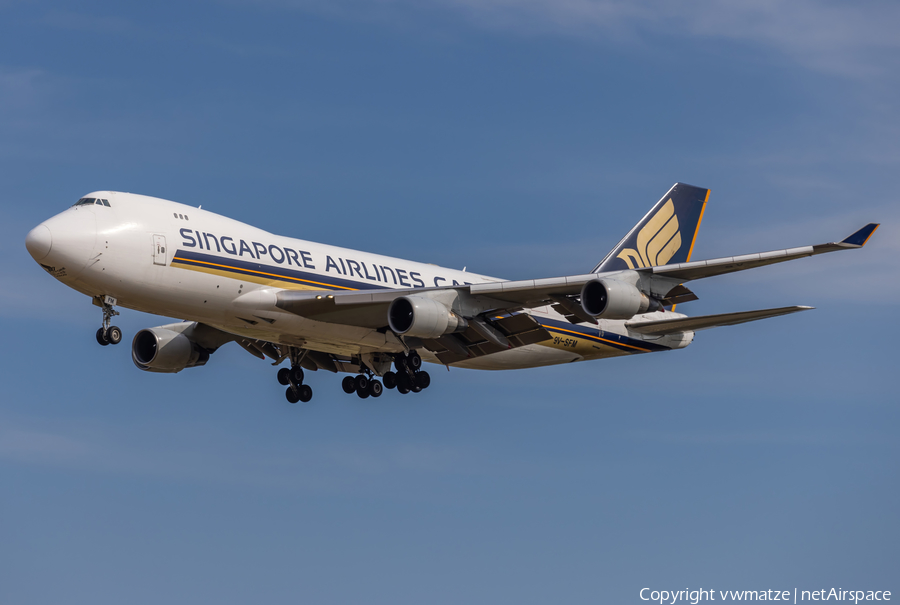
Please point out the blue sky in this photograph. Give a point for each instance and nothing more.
(519, 139)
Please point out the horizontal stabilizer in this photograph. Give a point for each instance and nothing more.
(684, 324)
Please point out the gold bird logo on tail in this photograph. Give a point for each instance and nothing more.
(657, 241)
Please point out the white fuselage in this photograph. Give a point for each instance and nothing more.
(169, 259)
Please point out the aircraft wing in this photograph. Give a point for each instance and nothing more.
(491, 326)
(368, 308)
(539, 292)
(720, 266)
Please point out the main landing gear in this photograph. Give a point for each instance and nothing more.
(293, 378)
(362, 385)
(107, 334)
(409, 378)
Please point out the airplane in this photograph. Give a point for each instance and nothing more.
(373, 317)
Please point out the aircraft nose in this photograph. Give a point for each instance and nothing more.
(39, 241)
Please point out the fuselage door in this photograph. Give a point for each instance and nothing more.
(159, 250)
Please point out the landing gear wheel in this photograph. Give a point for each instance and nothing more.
(416, 388)
(305, 393)
(404, 382)
(402, 389)
(292, 395)
(114, 335)
(423, 380)
(348, 384)
(414, 361)
(108, 334)
(390, 380)
(363, 393)
(375, 388)
(284, 376)
(296, 375)
(362, 384)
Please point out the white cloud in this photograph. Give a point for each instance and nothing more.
(846, 38)
(842, 38)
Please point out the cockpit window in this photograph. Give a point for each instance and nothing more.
(92, 201)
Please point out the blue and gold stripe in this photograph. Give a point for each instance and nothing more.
(296, 279)
(265, 274)
(595, 335)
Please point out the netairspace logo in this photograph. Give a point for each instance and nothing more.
(672, 597)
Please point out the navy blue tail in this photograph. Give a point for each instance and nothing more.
(665, 236)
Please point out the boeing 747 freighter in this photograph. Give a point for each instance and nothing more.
(373, 317)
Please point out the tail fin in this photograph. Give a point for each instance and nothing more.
(666, 235)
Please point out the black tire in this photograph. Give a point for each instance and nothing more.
(101, 337)
(404, 381)
(423, 380)
(305, 392)
(284, 376)
(375, 388)
(362, 384)
(402, 389)
(363, 394)
(390, 380)
(414, 361)
(348, 384)
(296, 375)
(292, 395)
(415, 388)
(114, 335)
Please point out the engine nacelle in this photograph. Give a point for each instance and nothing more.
(423, 317)
(164, 350)
(614, 299)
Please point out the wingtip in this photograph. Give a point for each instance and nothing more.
(862, 236)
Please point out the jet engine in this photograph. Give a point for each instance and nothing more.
(423, 317)
(164, 350)
(614, 299)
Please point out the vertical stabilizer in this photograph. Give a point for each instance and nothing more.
(666, 235)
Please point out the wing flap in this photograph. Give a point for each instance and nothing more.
(703, 322)
(519, 330)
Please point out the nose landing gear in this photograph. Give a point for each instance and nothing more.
(107, 334)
